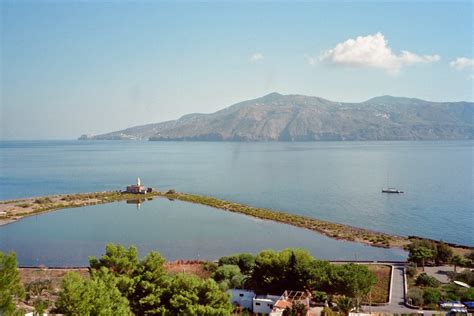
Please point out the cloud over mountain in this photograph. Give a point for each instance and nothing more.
(373, 51)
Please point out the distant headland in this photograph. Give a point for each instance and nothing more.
(277, 117)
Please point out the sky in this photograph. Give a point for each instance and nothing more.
(89, 67)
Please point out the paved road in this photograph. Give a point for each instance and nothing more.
(397, 301)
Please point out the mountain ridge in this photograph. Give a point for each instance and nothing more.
(277, 117)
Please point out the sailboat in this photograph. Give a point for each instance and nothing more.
(391, 190)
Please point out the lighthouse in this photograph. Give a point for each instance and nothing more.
(136, 188)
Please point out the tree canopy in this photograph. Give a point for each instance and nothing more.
(141, 287)
(295, 269)
(95, 296)
(11, 289)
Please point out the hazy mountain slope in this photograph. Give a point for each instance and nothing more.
(296, 117)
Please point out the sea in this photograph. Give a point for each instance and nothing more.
(335, 181)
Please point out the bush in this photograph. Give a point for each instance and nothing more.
(245, 261)
(43, 200)
(228, 276)
(210, 267)
(327, 312)
(319, 296)
(411, 270)
(172, 191)
(426, 280)
(444, 253)
(469, 259)
(468, 295)
(431, 296)
(465, 276)
(452, 292)
(36, 288)
(415, 297)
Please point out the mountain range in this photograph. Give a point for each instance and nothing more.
(277, 117)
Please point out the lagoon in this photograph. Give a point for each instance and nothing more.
(334, 181)
(178, 230)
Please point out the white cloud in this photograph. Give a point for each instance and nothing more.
(461, 63)
(256, 57)
(311, 60)
(373, 51)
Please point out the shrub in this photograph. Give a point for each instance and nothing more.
(245, 261)
(411, 270)
(465, 276)
(210, 267)
(345, 304)
(295, 310)
(36, 288)
(431, 296)
(415, 297)
(426, 280)
(43, 200)
(319, 296)
(228, 276)
(468, 295)
(327, 312)
(444, 253)
(452, 292)
(172, 191)
(40, 306)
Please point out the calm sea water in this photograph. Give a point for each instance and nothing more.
(178, 230)
(336, 181)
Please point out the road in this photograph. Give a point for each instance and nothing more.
(397, 300)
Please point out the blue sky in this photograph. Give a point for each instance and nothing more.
(69, 68)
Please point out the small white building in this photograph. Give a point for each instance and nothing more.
(263, 304)
(243, 298)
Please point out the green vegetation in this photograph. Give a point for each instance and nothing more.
(98, 295)
(345, 305)
(11, 289)
(271, 272)
(120, 283)
(245, 261)
(229, 277)
(123, 284)
(420, 255)
(457, 261)
(425, 280)
(426, 291)
(297, 309)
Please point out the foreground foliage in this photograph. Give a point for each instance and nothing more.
(95, 296)
(11, 289)
(272, 272)
(122, 284)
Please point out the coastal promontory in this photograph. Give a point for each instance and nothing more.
(277, 117)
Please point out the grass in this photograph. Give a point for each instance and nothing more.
(381, 291)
